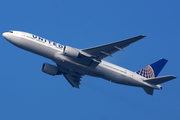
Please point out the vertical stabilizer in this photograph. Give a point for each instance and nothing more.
(153, 69)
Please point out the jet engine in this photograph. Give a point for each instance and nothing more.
(50, 69)
(71, 52)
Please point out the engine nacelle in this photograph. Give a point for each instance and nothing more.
(50, 69)
(71, 52)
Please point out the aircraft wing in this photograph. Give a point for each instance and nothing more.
(103, 51)
(73, 78)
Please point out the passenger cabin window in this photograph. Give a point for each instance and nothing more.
(11, 31)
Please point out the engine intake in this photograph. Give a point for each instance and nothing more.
(71, 52)
(50, 69)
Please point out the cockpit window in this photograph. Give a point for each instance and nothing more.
(11, 31)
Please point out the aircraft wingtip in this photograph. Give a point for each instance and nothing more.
(143, 35)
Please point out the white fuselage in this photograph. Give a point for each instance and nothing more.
(55, 52)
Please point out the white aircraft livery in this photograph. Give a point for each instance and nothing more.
(74, 63)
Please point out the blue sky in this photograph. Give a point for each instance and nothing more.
(26, 93)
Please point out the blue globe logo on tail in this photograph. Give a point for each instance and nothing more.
(146, 72)
(152, 70)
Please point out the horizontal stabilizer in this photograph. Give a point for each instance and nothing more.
(148, 90)
(159, 80)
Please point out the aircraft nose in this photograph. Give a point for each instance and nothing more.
(6, 36)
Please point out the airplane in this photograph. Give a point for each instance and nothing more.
(74, 63)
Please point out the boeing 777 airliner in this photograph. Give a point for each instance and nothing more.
(74, 63)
